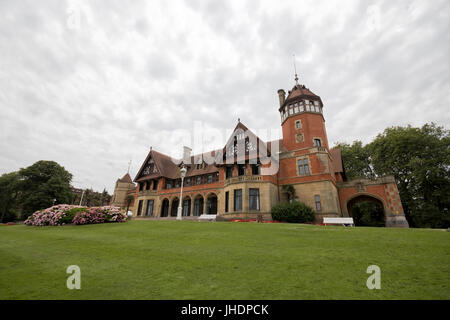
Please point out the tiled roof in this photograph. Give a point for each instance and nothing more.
(126, 178)
(168, 167)
(299, 91)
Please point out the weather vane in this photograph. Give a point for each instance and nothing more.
(295, 70)
(129, 164)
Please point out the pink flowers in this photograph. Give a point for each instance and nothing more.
(64, 214)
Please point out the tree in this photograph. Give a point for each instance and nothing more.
(368, 214)
(356, 158)
(43, 184)
(9, 193)
(105, 197)
(129, 199)
(419, 159)
(290, 190)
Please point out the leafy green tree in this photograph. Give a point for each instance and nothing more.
(357, 162)
(9, 193)
(419, 159)
(43, 184)
(289, 190)
(105, 197)
(129, 200)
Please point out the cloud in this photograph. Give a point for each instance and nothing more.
(93, 84)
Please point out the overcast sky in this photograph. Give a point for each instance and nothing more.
(93, 84)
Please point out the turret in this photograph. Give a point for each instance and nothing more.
(302, 119)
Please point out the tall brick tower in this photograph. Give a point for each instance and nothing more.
(302, 120)
(305, 158)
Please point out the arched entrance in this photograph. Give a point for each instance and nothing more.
(211, 204)
(165, 208)
(173, 212)
(367, 210)
(198, 205)
(186, 207)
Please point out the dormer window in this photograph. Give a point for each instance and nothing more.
(201, 165)
(241, 169)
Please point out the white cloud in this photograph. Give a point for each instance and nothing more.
(97, 95)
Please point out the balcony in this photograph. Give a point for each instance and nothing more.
(240, 179)
(320, 149)
(144, 193)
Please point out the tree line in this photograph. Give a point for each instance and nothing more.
(419, 159)
(39, 186)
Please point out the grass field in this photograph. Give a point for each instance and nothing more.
(203, 260)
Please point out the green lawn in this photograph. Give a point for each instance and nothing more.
(203, 260)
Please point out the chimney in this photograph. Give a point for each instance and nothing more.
(187, 155)
(281, 96)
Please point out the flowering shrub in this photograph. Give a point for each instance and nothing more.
(63, 214)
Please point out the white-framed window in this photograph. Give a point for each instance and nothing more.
(298, 124)
(254, 199)
(303, 167)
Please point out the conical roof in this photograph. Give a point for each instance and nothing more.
(300, 91)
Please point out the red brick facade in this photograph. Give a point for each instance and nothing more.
(232, 190)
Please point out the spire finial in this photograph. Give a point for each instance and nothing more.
(129, 164)
(295, 70)
(239, 119)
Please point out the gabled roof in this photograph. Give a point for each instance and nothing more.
(170, 168)
(252, 137)
(163, 163)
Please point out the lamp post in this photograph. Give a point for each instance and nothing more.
(182, 173)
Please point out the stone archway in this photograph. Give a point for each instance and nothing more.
(186, 205)
(367, 210)
(174, 209)
(198, 205)
(211, 204)
(383, 189)
(165, 208)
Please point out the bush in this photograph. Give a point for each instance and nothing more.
(70, 214)
(293, 212)
(66, 214)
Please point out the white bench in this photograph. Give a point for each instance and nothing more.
(210, 217)
(342, 221)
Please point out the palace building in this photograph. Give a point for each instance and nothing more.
(246, 178)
